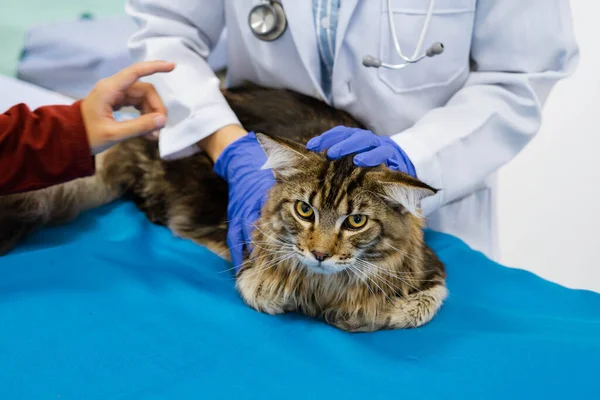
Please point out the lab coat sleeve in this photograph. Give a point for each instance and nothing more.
(520, 49)
(183, 32)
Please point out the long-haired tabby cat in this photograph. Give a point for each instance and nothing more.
(334, 241)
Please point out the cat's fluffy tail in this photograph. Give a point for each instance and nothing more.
(20, 214)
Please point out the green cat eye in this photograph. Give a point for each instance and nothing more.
(356, 221)
(304, 210)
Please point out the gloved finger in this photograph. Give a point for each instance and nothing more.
(329, 138)
(235, 243)
(315, 143)
(395, 165)
(402, 165)
(357, 143)
(372, 158)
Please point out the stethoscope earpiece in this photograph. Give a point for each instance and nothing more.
(435, 49)
(370, 61)
(374, 62)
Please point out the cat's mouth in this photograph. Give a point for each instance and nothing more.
(326, 267)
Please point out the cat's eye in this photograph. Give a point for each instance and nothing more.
(356, 221)
(304, 210)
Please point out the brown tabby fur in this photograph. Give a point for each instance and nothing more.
(384, 276)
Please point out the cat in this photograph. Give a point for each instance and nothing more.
(334, 241)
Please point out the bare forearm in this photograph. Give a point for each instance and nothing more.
(214, 144)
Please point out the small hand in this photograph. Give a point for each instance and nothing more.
(239, 164)
(119, 90)
(372, 149)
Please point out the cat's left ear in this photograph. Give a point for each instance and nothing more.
(403, 190)
(284, 157)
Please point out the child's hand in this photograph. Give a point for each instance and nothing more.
(119, 90)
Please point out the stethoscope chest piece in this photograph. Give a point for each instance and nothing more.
(267, 20)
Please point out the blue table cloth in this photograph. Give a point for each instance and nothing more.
(113, 307)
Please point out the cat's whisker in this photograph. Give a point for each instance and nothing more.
(272, 263)
(269, 250)
(272, 246)
(387, 282)
(396, 274)
(222, 253)
(284, 240)
(282, 250)
(391, 287)
(253, 223)
(255, 270)
(276, 258)
(372, 280)
(402, 253)
(378, 268)
(382, 291)
(391, 275)
(394, 288)
(403, 277)
(278, 239)
(227, 270)
(355, 270)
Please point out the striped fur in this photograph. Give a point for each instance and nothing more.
(380, 277)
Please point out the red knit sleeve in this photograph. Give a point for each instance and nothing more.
(42, 148)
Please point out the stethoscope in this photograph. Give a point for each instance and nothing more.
(267, 22)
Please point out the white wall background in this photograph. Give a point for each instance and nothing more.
(549, 204)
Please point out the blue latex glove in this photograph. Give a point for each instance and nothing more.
(372, 149)
(239, 165)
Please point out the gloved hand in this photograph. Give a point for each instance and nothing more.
(372, 149)
(239, 165)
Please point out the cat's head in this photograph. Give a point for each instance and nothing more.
(331, 215)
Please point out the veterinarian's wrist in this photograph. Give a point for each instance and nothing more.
(214, 144)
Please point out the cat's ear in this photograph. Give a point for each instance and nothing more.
(284, 157)
(403, 190)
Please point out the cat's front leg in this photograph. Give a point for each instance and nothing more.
(410, 311)
(416, 309)
(263, 289)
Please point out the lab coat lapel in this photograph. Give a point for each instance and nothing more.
(301, 24)
(345, 15)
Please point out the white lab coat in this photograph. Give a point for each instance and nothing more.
(459, 116)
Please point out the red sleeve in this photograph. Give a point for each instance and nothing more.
(42, 148)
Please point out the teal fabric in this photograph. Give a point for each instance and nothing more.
(113, 307)
(18, 16)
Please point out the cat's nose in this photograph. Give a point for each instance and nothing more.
(321, 256)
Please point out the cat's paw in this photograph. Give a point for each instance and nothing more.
(258, 293)
(356, 325)
(267, 306)
(412, 311)
(417, 309)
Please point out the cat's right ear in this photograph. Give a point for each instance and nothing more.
(398, 188)
(284, 157)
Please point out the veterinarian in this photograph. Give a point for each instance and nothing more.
(454, 88)
(55, 144)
